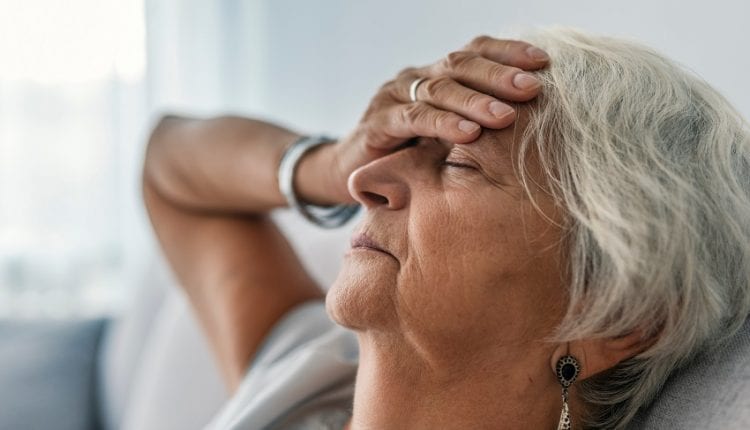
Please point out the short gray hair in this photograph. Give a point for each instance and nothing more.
(653, 168)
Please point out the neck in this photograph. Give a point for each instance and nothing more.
(398, 387)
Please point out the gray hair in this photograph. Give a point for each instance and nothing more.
(653, 168)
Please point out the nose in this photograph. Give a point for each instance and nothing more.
(381, 182)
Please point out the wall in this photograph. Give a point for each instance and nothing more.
(324, 59)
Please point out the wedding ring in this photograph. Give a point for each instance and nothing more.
(413, 88)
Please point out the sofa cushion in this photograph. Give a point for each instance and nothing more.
(47, 372)
(713, 392)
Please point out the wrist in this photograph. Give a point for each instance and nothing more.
(304, 187)
(316, 180)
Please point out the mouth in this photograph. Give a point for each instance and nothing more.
(363, 242)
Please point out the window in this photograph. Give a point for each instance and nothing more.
(71, 111)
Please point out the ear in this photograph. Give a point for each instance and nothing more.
(600, 354)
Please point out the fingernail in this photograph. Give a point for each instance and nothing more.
(500, 109)
(467, 127)
(524, 81)
(537, 54)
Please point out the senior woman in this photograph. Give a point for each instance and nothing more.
(522, 262)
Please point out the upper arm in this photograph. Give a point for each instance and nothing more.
(239, 272)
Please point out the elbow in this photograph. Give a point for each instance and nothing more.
(162, 131)
(156, 147)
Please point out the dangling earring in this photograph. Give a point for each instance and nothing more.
(567, 370)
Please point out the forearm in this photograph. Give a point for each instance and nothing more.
(228, 164)
(201, 181)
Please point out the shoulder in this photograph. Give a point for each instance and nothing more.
(305, 328)
(304, 359)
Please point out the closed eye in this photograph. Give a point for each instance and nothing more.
(456, 159)
(458, 165)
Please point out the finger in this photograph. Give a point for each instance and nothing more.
(420, 119)
(514, 53)
(398, 88)
(487, 76)
(446, 94)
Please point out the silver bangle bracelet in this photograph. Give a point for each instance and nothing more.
(323, 216)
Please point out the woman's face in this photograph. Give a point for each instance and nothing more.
(466, 261)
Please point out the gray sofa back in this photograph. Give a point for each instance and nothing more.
(713, 392)
(47, 374)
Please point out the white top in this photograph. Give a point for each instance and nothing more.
(301, 378)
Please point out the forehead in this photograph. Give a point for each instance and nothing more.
(495, 145)
(499, 150)
(504, 141)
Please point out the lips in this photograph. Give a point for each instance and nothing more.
(362, 241)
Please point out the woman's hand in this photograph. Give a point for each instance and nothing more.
(461, 94)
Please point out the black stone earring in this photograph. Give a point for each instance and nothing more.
(567, 371)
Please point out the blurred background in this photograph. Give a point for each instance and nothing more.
(82, 81)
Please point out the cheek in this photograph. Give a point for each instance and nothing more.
(478, 271)
(466, 243)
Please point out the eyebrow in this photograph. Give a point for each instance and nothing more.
(489, 147)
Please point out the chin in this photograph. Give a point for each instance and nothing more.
(361, 297)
